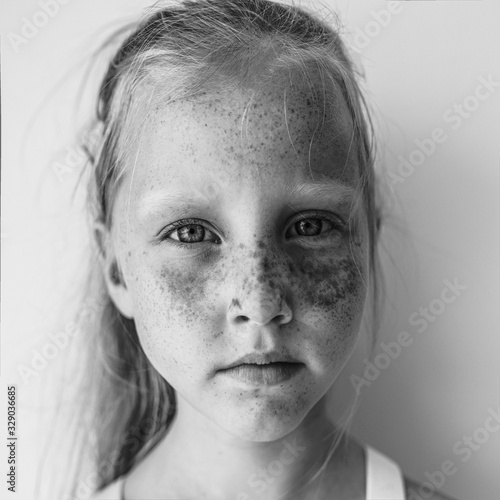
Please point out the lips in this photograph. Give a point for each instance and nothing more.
(264, 374)
(272, 357)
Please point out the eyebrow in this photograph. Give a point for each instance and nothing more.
(323, 190)
(155, 202)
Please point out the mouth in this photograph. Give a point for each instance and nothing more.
(262, 359)
(264, 374)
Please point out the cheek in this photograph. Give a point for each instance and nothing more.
(328, 283)
(330, 299)
(173, 293)
(172, 317)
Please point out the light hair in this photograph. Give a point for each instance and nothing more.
(180, 51)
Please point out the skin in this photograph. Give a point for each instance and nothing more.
(253, 280)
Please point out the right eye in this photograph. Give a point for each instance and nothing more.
(189, 232)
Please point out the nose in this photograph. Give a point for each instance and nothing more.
(261, 308)
(261, 299)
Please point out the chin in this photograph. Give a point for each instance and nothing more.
(263, 423)
(258, 434)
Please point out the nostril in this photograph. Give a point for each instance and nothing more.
(279, 319)
(241, 319)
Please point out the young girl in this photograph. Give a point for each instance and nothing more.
(235, 215)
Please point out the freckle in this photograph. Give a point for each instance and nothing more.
(266, 264)
(236, 303)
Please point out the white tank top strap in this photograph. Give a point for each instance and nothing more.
(384, 479)
(122, 489)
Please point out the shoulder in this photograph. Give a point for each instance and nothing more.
(415, 491)
(110, 492)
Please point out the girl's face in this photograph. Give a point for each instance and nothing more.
(230, 229)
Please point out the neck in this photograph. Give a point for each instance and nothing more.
(202, 460)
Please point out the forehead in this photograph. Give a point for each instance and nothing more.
(291, 131)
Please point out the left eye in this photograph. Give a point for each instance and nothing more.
(310, 226)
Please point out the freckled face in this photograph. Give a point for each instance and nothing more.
(232, 240)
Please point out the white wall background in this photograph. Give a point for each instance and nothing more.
(444, 221)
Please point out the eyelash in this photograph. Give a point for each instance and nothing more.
(181, 223)
(338, 225)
